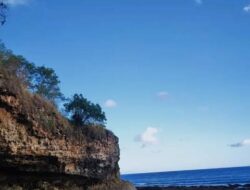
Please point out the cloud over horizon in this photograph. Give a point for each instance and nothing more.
(162, 95)
(245, 142)
(148, 137)
(110, 103)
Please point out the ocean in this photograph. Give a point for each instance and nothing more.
(206, 177)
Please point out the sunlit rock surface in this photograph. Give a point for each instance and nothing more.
(40, 150)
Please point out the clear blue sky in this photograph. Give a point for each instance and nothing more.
(173, 76)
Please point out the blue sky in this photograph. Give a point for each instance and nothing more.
(171, 75)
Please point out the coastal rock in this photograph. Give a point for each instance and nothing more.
(39, 149)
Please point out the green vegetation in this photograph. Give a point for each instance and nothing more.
(43, 83)
(83, 112)
(39, 80)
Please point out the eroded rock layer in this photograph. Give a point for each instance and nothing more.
(39, 149)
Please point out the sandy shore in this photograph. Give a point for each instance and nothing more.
(230, 187)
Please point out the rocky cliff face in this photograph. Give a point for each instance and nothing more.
(40, 150)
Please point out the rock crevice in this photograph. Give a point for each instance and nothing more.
(40, 144)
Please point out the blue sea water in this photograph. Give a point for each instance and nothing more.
(206, 177)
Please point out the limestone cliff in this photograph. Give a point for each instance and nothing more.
(39, 149)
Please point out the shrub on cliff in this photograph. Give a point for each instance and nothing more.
(45, 82)
(83, 112)
(38, 79)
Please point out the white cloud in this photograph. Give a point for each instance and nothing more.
(199, 1)
(162, 95)
(247, 8)
(203, 108)
(16, 2)
(148, 137)
(245, 142)
(110, 103)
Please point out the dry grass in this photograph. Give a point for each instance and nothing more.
(95, 132)
(34, 108)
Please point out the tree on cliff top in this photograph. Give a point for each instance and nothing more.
(45, 82)
(38, 79)
(83, 112)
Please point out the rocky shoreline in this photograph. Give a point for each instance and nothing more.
(229, 187)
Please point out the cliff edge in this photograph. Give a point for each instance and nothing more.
(39, 149)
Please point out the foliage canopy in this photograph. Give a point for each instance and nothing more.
(38, 79)
(83, 112)
(44, 82)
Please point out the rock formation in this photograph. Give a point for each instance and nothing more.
(39, 149)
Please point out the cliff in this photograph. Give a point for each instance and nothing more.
(39, 149)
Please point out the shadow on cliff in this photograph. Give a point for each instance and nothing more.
(40, 149)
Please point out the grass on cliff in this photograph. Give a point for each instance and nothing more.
(36, 90)
(33, 109)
